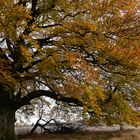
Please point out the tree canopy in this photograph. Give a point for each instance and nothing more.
(82, 52)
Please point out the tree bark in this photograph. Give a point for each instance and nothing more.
(7, 120)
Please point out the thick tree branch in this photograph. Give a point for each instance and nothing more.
(11, 50)
(45, 41)
(3, 55)
(56, 96)
(32, 64)
(22, 2)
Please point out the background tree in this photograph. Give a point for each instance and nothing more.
(81, 52)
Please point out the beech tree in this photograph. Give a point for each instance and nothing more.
(82, 52)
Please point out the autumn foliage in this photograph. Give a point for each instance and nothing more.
(84, 52)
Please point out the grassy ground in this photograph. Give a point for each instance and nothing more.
(115, 135)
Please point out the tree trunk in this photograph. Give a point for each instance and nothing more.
(7, 120)
(121, 127)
